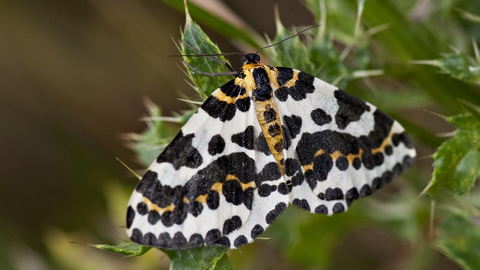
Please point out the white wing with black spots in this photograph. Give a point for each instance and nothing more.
(345, 147)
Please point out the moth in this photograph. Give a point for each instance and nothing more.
(271, 137)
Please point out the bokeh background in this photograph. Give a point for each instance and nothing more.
(73, 79)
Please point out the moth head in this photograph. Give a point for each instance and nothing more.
(251, 58)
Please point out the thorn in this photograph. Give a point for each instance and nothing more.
(128, 168)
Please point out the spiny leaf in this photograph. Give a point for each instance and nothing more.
(196, 42)
(458, 65)
(458, 238)
(457, 161)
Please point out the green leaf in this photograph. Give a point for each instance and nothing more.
(459, 65)
(196, 42)
(457, 161)
(130, 249)
(211, 258)
(459, 238)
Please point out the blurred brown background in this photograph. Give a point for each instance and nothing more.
(72, 78)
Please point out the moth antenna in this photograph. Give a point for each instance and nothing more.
(208, 73)
(297, 34)
(207, 55)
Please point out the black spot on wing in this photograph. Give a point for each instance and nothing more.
(321, 209)
(245, 139)
(381, 129)
(130, 216)
(272, 215)
(302, 204)
(230, 89)
(243, 104)
(365, 190)
(342, 163)
(284, 75)
(270, 172)
(195, 208)
(286, 140)
(240, 241)
(214, 238)
(284, 189)
(195, 240)
(351, 195)
(142, 208)
(294, 125)
(302, 87)
(350, 108)
(216, 145)
(219, 109)
(180, 152)
(164, 240)
(231, 225)
(265, 190)
(179, 240)
(333, 194)
(256, 231)
(320, 117)
(338, 208)
(262, 145)
(291, 166)
(402, 137)
(322, 165)
(213, 200)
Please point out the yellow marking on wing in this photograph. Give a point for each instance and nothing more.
(230, 100)
(218, 187)
(318, 153)
(273, 76)
(293, 80)
(244, 186)
(202, 198)
(157, 208)
(387, 141)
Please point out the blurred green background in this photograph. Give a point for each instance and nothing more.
(73, 77)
